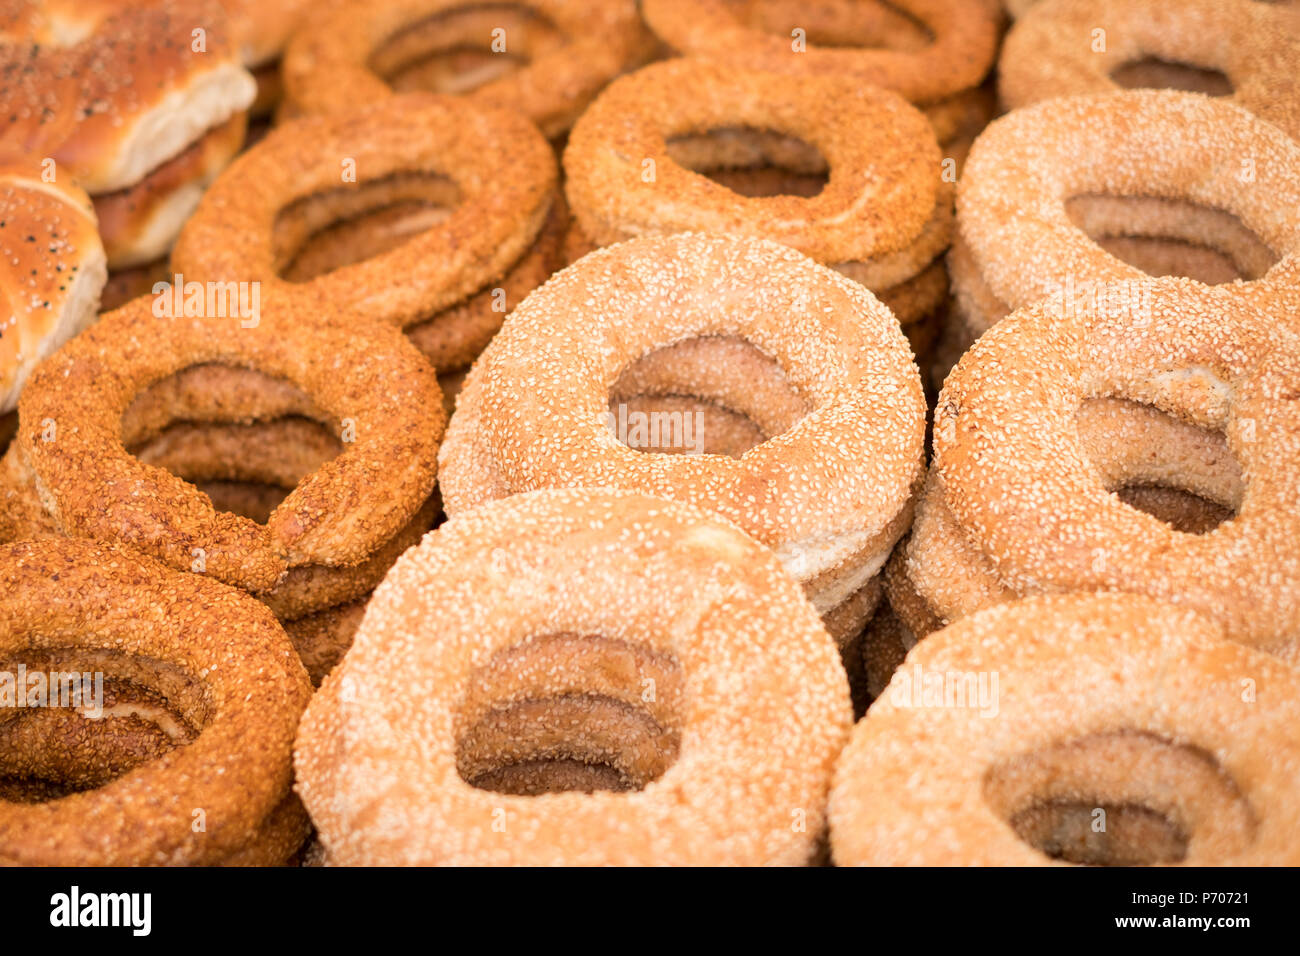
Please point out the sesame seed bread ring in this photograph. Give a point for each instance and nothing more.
(238, 681)
(1051, 52)
(111, 92)
(881, 155)
(587, 641)
(1156, 143)
(503, 170)
(370, 383)
(1075, 709)
(829, 487)
(1212, 359)
(139, 224)
(52, 268)
(965, 44)
(330, 65)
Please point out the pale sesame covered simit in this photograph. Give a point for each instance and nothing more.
(537, 653)
(829, 490)
(1012, 212)
(1016, 473)
(1004, 739)
(1055, 50)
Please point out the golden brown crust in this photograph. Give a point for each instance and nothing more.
(1214, 359)
(502, 168)
(622, 181)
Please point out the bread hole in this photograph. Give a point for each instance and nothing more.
(870, 24)
(241, 436)
(1181, 510)
(711, 395)
(1173, 237)
(320, 233)
(254, 500)
(87, 717)
(566, 711)
(752, 162)
(1154, 73)
(1183, 474)
(460, 50)
(1119, 798)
